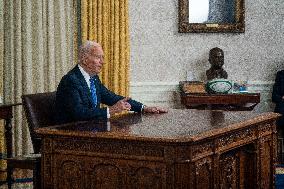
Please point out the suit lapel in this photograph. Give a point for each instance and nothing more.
(83, 84)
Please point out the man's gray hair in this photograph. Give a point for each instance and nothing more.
(86, 48)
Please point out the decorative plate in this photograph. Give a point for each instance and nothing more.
(218, 86)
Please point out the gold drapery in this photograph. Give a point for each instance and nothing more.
(106, 21)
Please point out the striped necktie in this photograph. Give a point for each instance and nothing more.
(93, 90)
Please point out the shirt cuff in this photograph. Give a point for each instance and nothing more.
(108, 126)
(142, 107)
(108, 115)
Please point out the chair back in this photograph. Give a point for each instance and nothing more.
(39, 109)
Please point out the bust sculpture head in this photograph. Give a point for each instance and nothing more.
(216, 59)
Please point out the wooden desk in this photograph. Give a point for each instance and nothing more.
(239, 102)
(181, 149)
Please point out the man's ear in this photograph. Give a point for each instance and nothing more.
(84, 60)
(209, 60)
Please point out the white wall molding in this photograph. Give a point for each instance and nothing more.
(156, 93)
(167, 93)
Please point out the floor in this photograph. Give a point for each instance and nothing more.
(23, 180)
(19, 186)
(279, 184)
(279, 178)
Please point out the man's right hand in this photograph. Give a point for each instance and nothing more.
(120, 106)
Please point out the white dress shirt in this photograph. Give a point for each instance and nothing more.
(87, 79)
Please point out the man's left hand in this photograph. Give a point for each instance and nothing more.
(155, 110)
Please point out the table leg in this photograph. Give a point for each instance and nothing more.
(8, 136)
(37, 175)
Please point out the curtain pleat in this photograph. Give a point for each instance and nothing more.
(40, 45)
(107, 23)
(2, 145)
(1, 49)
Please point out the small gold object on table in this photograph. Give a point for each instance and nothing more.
(192, 87)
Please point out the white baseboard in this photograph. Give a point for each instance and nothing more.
(156, 93)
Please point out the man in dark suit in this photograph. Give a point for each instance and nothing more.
(80, 92)
(278, 97)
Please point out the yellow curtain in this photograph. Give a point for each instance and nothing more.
(106, 21)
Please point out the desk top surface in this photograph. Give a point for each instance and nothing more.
(178, 125)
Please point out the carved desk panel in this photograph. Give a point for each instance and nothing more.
(180, 149)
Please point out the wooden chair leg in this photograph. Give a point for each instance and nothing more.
(37, 176)
(9, 178)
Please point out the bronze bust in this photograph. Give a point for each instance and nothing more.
(216, 59)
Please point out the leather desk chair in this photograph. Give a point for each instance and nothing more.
(39, 109)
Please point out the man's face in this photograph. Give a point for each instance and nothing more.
(94, 61)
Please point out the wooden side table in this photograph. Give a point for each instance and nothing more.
(231, 102)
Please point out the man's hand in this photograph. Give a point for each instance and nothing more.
(120, 106)
(155, 110)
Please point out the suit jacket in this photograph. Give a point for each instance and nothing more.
(74, 101)
(278, 92)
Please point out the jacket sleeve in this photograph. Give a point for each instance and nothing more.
(277, 88)
(73, 99)
(109, 98)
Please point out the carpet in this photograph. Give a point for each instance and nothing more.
(19, 186)
(279, 177)
(23, 179)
